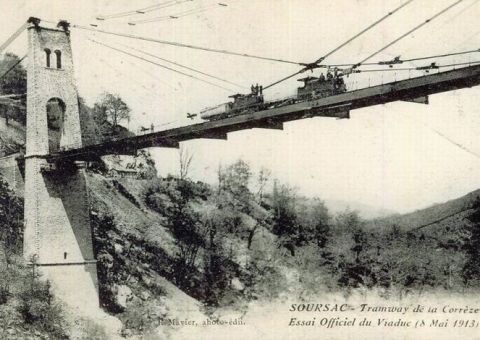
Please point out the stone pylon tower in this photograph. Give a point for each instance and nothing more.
(58, 235)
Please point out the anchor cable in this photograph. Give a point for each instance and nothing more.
(13, 37)
(144, 10)
(407, 33)
(178, 15)
(183, 66)
(401, 61)
(314, 64)
(160, 65)
(172, 43)
(12, 67)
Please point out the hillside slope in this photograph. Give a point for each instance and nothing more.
(449, 213)
(167, 248)
(139, 255)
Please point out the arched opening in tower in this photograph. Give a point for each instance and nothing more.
(58, 54)
(55, 118)
(47, 57)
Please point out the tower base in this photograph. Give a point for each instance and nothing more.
(74, 284)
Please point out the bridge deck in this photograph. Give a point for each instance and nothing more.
(334, 106)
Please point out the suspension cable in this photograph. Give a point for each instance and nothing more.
(363, 31)
(118, 71)
(425, 68)
(165, 42)
(407, 33)
(144, 10)
(11, 102)
(460, 64)
(401, 61)
(12, 67)
(13, 95)
(441, 55)
(456, 15)
(448, 139)
(154, 77)
(315, 63)
(178, 15)
(13, 37)
(183, 66)
(160, 65)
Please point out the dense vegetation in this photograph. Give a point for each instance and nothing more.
(341, 248)
(26, 303)
(14, 82)
(28, 308)
(246, 238)
(250, 238)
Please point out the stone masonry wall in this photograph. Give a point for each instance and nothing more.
(57, 223)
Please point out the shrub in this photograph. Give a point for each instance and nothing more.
(39, 310)
(125, 193)
(91, 330)
(4, 295)
(143, 316)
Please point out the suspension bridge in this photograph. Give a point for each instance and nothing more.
(339, 106)
(57, 229)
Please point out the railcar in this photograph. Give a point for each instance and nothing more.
(215, 112)
(313, 88)
(241, 104)
(319, 87)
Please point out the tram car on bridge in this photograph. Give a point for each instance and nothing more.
(313, 88)
(319, 87)
(242, 103)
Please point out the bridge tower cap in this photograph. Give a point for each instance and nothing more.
(35, 21)
(64, 24)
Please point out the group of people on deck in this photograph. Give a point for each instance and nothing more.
(256, 90)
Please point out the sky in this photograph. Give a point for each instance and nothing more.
(399, 156)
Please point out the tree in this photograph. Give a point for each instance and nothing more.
(11, 226)
(15, 82)
(471, 270)
(215, 257)
(234, 180)
(173, 200)
(91, 134)
(314, 222)
(186, 159)
(262, 180)
(144, 164)
(349, 246)
(285, 216)
(111, 108)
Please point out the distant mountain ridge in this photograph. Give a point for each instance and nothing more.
(450, 212)
(364, 210)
